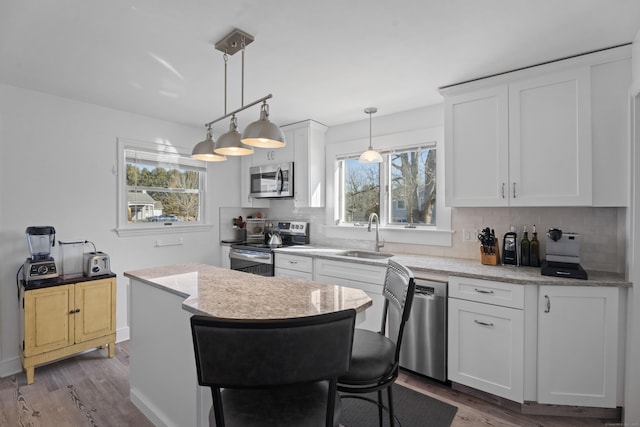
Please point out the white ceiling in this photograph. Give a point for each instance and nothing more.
(325, 59)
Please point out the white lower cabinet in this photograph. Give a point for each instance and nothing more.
(578, 345)
(287, 265)
(486, 341)
(366, 277)
(225, 262)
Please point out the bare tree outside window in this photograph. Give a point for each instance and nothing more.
(413, 187)
(361, 190)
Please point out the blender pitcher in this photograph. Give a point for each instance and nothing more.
(41, 239)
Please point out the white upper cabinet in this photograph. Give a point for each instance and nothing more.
(550, 140)
(477, 147)
(307, 138)
(552, 135)
(610, 83)
(267, 156)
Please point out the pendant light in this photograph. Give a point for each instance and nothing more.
(230, 144)
(371, 155)
(205, 150)
(262, 133)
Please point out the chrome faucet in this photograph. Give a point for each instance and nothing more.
(371, 218)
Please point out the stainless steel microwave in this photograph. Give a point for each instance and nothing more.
(273, 181)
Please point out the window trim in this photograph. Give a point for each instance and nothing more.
(123, 227)
(438, 235)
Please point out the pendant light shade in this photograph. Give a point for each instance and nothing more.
(371, 155)
(204, 150)
(230, 144)
(262, 133)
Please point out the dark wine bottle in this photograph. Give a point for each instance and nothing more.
(534, 260)
(525, 249)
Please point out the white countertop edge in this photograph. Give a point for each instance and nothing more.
(467, 268)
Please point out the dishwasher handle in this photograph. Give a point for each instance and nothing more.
(429, 288)
(424, 290)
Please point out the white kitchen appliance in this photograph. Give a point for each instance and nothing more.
(40, 266)
(563, 255)
(96, 264)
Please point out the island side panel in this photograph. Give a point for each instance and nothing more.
(163, 378)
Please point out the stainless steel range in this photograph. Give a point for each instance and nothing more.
(257, 257)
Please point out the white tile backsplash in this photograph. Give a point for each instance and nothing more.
(602, 235)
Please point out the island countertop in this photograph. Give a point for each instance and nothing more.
(220, 292)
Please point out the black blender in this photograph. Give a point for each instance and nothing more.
(41, 265)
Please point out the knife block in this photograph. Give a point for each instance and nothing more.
(490, 259)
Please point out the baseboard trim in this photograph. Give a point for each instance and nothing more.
(122, 334)
(10, 366)
(535, 408)
(149, 410)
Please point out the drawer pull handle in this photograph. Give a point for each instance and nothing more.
(293, 262)
(548, 304)
(482, 291)
(483, 323)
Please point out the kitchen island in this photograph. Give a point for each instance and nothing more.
(163, 380)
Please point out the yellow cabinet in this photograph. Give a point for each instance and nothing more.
(62, 320)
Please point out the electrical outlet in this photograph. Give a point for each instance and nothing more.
(469, 235)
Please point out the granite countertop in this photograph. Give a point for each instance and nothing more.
(466, 268)
(220, 292)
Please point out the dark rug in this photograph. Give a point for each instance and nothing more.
(412, 409)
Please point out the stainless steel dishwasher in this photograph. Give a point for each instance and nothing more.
(424, 345)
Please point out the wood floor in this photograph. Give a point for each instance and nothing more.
(92, 390)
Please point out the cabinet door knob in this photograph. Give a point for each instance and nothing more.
(77, 310)
(548, 304)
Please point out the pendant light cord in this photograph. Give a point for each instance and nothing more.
(226, 59)
(370, 141)
(242, 46)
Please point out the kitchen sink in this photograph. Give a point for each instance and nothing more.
(365, 254)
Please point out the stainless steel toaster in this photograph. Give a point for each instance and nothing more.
(96, 264)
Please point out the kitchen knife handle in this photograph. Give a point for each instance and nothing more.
(548, 309)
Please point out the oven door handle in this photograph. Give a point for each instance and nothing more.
(263, 257)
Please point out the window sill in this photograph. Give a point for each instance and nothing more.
(167, 229)
(395, 234)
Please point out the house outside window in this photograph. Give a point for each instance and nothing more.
(159, 187)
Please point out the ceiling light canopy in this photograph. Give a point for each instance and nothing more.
(371, 155)
(261, 133)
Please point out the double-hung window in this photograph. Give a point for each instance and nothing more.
(401, 189)
(159, 187)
